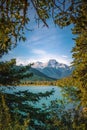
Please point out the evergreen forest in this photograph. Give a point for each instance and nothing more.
(16, 109)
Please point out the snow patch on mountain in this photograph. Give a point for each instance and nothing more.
(53, 69)
(52, 63)
(39, 65)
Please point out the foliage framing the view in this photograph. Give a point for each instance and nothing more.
(10, 74)
(13, 20)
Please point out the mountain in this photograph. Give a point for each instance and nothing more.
(53, 69)
(38, 76)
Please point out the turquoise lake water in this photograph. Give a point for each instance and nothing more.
(57, 94)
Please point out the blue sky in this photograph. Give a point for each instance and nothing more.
(43, 44)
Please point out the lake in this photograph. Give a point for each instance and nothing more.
(43, 105)
(57, 93)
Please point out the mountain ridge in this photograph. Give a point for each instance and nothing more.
(51, 63)
(53, 69)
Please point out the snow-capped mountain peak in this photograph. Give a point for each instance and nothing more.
(52, 63)
(53, 69)
(39, 65)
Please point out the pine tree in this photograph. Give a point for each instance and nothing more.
(10, 74)
(80, 52)
(13, 21)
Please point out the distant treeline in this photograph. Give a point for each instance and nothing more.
(67, 81)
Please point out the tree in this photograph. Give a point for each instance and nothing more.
(10, 74)
(17, 111)
(80, 52)
(13, 21)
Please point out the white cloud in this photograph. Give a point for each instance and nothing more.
(43, 56)
(33, 39)
(39, 51)
(42, 36)
(59, 58)
(22, 60)
(64, 56)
